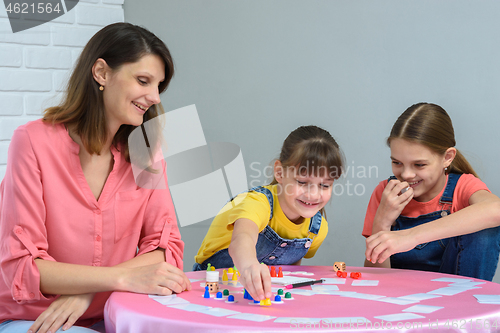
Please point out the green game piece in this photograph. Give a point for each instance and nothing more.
(208, 267)
(288, 295)
(280, 292)
(226, 292)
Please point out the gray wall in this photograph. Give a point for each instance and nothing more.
(258, 69)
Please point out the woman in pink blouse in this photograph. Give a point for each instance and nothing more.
(74, 224)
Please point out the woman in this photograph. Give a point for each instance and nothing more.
(74, 223)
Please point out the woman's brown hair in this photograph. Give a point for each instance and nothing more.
(430, 125)
(83, 107)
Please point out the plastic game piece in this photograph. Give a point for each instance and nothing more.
(212, 268)
(280, 292)
(339, 266)
(226, 292)
(218, 295)
(265, 302)
(277, 298)
(288, 295)
(355, 275)
(273, 271)
(341, 274)
(209, 265)
(212, 281)
(230, 270)
(245, 294)
(230, 299)
(206, 294)
(280, 272)
(224, 276)
(256, 301)
(235, 277)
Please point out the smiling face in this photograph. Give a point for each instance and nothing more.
(420, 167)
(130, 90)
(301, 195)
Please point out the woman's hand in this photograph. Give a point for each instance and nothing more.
(383, 244)
(65, 310)
(257, 281)
(158, 279)
(391, 204)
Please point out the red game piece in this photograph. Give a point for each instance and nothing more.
(355, 275)
(341, 274)
(273, 271)
(280, 272)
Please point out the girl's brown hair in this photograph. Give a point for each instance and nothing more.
(429, 124)
(83, 106)
(313, 151)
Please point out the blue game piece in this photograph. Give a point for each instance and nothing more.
(255, 301)
(277, 298)
(218, 295)
(245, 294)
(207, 294)
(230, 298)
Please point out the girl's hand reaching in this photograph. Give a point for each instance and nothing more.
(392, 203)
(383, 244)
(257, 281)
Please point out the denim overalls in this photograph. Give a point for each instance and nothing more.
(271, 248)
(473, 255)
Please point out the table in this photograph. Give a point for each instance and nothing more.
(382, 299)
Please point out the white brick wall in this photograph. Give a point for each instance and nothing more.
(35, 64)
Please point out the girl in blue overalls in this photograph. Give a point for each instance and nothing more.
(434, 214)
(280, 223)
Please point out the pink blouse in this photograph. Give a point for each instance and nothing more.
(48, 211)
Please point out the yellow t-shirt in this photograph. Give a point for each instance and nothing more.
(255, 206)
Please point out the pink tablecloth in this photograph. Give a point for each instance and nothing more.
(387, 306)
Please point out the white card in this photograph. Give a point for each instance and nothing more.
(333, 280)
(399, 316)
(396, 300)
(420, 308)
(168, 300)
(420, 297)
(251, 317)
(218, 312)
(364, 283)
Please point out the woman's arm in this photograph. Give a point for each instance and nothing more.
(255, 277)
(483, 213)
(147, 273)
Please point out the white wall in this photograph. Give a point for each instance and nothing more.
(35, 63)
(258, 69)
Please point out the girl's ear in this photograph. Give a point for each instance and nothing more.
(100, 71)
(278, 171)
(449, 156)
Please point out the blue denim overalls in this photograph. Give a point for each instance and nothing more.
(271, 248)
(473, 255)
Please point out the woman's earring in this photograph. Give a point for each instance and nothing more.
(101, 88)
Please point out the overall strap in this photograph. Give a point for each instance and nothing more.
(315, 223)
(268, 194)
(447, 197)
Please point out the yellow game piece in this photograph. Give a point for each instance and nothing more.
(265, 302)
(235, 277)
(230, 270)
(224, 276)
(212, 268)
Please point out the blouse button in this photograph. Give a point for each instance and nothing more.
(98, 238)
(308, 244)
(98, 211)
(272, 257)
(19, 231)
(32, 295)
(283, 244)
